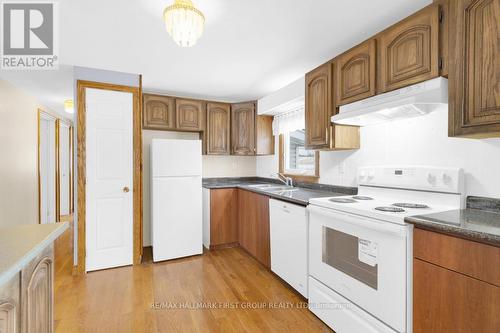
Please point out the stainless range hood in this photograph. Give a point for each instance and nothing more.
(404, 103)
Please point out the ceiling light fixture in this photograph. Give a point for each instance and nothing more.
(69, 106)
(184, 22)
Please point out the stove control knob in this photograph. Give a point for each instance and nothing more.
(371, 175)
(447, 179)
(431, 179)
(362, 175)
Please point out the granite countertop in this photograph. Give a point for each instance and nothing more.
(21, 244)
(300, 195)
(473, 223)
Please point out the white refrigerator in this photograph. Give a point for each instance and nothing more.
(176, 198)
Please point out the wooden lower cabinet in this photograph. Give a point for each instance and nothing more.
(447, 301)
(26, 301)
(253, 226)
(455, 285)
(10, 306)
(223, 217)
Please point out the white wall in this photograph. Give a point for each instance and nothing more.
(18, 164)
(418, 141)
(213, 166)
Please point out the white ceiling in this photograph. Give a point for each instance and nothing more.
(249, 48)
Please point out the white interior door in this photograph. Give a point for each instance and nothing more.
(64, 169)
(47, 169)
(109, 168)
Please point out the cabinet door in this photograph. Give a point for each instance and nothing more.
(319, 107)
(446, 301)
(189, 115)
(159, 112)
(37, 290)
(355, 73)
(409, 50)
(474, 74)
(10, 306)
(243, 129)
(218, 128)
(265, 138)
(223, 217)
(253, 226)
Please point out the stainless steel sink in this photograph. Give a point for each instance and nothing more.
(285, 192)
(263, 186)
(273, 187)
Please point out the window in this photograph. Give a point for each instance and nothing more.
(296, 160)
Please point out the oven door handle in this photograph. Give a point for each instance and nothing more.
(361, 221)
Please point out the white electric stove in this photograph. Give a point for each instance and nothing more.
(360, 248)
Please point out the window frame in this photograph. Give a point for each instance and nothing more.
(297, 177)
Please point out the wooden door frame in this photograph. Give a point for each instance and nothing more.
(81, 157)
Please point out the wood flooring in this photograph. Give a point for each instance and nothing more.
(220, 291)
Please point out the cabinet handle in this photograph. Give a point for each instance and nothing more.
(126, 189)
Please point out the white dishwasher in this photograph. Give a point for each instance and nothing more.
(289, 234)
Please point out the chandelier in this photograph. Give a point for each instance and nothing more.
(184, 22)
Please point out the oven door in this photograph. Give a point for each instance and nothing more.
(362, 259)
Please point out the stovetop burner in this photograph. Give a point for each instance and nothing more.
(390, 209)
(342, 200)
(409, 205)
(362, 197)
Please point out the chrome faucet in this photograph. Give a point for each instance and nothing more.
(287, 180)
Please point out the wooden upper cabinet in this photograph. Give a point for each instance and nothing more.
(319, 107)
(409, 50)
(189, 114)
(355, 73)
(218, 129)
(243, 129)
(159, 112)
(264, 133)
(474, 74)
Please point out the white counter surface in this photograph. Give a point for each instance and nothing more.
(21, 244)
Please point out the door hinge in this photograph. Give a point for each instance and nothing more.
(441, 15)
(441, 63)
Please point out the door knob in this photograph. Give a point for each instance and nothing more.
(126, 189)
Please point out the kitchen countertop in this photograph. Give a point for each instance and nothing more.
(475, 224)
(21, 244)
(299, 196)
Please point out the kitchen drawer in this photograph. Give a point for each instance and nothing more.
(340, 314)
(474, 259)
